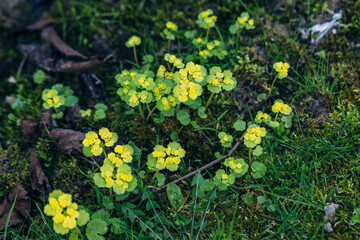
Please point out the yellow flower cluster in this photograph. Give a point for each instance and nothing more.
(210, 46)
(245, 19)
(168, 102)
(187, 90)
(218, 80)
(225, 139)
(123, 153)
(64, 212)
(121, 180)
(168, 158)
(136, 97)
(282, 69)
(177, 62)
(203, 53)
(162, 73)
(261, 117)
(206, 19)
(280, 107)
(171, 26)
(93, 144)
(52, 98)
(253, 135)
(190, 72)
(133, 41)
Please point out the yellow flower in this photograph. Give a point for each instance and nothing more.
(251, 22)
(281, 107)
(282, 69)
(172, 26)
(133, 41)
(65, 200)
(199, 40)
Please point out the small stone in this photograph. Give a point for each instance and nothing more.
(328, 227)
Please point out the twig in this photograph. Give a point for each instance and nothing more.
(193, 173)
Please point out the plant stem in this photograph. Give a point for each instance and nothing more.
(77, 229)
(177, 107)
(153, 178)
(209, 100)
(135, 56)
(277, 114)
(150, 113)
(250, 160)
(207, 34)
(272, 85)
(169, 44)
(111, 194)
(141, 112)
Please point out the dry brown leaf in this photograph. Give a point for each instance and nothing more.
(38, 179)
(68, 140)
(29, 128)
(21, 209)
(40, 24)
(45, 57)
(49, 34)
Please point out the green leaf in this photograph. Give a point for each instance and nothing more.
(147, 59)
(249, 198)
(142, 174)
(160, 119)
(201, 112)
(194, 124)
(87, 152)
(218, 155)
(57, 115)
(99, 114)
(190, 34)
(101, 214)
(239, 125)
(39, 76)
(198, 180)
(83, 218)
(71, 101)
(183, 117)
(74, 235)
(117, 226)
(174, 136)
(271, 208)
(175, 196)
(261, 199)
(160, 179)
(95, 228)
(261, 97)
(101, 106)
(258, 170)
(107, 203)
(258, 151)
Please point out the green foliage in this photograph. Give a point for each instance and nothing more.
(239, 125)
(258, 170)
(57, 98)
(39, 76)
(174, 195)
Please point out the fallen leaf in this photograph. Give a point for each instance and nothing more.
(39, 25)
(38, 179)
(47, 120)
(93, 88)
(29, 128)
(21, 209)
(68, 140)
(45, 57)
(49, 34)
